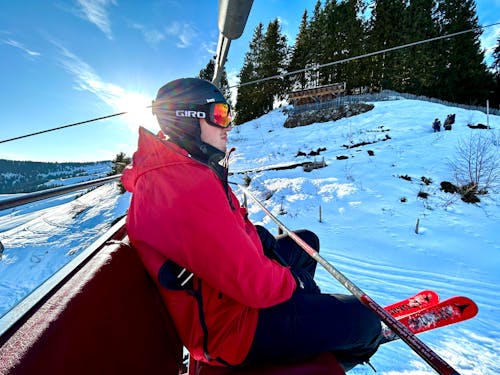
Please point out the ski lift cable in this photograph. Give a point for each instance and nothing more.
(365, 55)
(274, 77)
(63, 127)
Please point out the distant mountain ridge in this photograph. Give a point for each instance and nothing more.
(28, 176)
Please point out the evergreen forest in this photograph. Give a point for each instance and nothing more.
(360, 44)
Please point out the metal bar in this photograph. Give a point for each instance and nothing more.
(426, 353)
(44, 194)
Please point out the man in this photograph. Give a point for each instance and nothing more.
(235, 293)
(436, 125)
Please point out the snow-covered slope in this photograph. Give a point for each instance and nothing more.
(369, 216)
(368, 220)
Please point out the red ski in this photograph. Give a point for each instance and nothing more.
(449, 311)
(410, 305)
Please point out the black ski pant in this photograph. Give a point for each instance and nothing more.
(310, 322)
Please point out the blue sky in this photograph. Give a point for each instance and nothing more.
(69, 61)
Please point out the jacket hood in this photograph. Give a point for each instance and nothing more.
(153, 151)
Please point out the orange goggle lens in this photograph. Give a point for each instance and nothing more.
(221, 115)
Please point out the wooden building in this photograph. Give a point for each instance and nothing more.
(317, 94)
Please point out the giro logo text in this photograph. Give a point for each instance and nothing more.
(185, 113)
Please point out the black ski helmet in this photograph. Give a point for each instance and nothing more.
(184, 94)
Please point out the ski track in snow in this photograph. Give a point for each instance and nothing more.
(367, 232)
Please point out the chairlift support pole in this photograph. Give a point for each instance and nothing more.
(233, 16)
(426, 353)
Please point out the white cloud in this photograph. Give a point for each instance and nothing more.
(184, 32)
(16, 44)
(95, 12)
(210, 47)
(151, 36)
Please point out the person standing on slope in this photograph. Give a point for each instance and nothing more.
(436, 125)
(237, 295)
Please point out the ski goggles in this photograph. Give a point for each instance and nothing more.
(216, 114)
(219, 115)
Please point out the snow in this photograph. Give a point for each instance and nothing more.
(40, 238)
(368, 220)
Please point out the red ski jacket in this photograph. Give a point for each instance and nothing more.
(180, 212)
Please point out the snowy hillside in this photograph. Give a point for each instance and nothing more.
(371, 197)
(28, 176)
(369, 216)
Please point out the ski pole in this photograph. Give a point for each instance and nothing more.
(426, 353)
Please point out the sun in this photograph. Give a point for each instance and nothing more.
(138, 108)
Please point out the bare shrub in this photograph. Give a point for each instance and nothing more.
(476, 165)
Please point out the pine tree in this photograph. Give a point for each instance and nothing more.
(421, 61)
(351, 43)
(119, 163)
(272, 62)
(463, 77)
(299, 56)
(207, 73)
(495, 97)
(327, 30)
(496, 56)
(267, 57)
(316, 31)
(244, 99)
(247, 98)
(386, 31)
